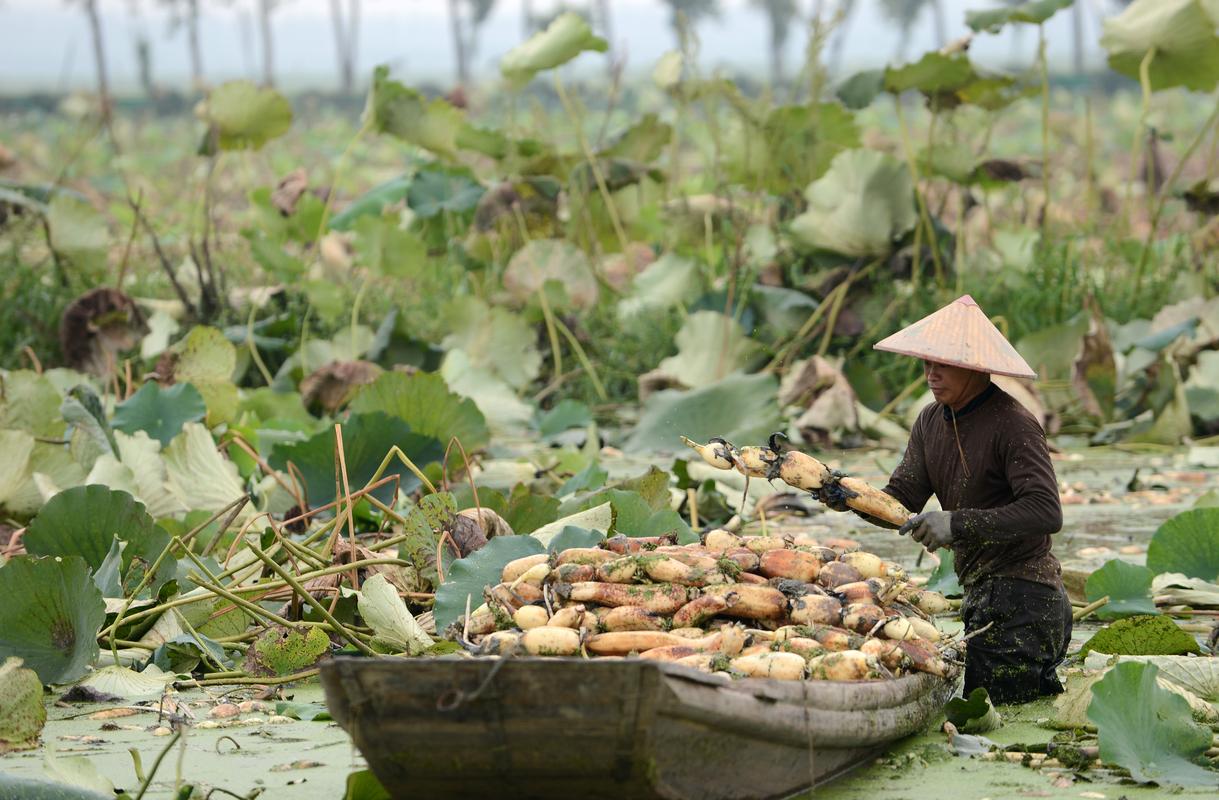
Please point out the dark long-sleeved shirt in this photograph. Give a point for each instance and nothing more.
(1007, 506)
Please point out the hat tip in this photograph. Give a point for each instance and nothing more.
(967, 300)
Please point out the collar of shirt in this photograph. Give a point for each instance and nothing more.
(972, 405)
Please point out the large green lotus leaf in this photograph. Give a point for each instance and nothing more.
(372, 203)
(467, 577)
(245, 117)
(141, 471)
(859, 90)
(282, 651)
(85, 520)
(710, 346)
(1183, 590)
(367, 438)
(405, 113)
(50, 616)
(363, 785)
(437, 190)
(1202, 387)
(1051, 351)
(524, 510)
(200, 475)
(1148, 729)
(424, 401)
(1033, 12)
(494, 338)
(545, 260)
(566, 37)
(944, 577)
(22, 713)
(1189, 544)
(782, 310)
(51, 469)
(1182, 33)
(76, 228)
(129, 684)
(668, 281)
(952, 80)
(597, 518)
(633, 516)
(565, 415)
(30, 402)
(574, 536)
(973, 714)
(859, 207)
(1141, 636)
(160, 413)
(207, 360)
(740, 408)
(388, 249)
(1128, 587)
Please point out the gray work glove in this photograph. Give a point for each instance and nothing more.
(931, 529)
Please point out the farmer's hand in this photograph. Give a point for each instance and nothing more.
(833, 494)
(931, 529)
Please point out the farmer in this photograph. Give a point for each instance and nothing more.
(985, 458)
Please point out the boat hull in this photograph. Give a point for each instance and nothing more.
(572, 728)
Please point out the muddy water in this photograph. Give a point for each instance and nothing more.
(290, 761)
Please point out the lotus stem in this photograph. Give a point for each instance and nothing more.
(1090, 608)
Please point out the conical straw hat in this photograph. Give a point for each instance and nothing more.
(959, 334)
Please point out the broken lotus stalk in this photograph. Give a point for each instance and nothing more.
(800, 471)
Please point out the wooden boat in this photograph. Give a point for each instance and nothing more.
(602, 728)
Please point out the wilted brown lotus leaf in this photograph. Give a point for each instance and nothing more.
(288, 191)
(1094, 373)
(331, 386)
(96, 327)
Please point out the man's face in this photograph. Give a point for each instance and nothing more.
(952, 386)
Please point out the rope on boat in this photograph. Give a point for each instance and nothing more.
(456, 698)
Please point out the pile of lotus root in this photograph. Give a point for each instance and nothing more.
(784, 607)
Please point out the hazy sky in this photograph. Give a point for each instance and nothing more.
(45, 44)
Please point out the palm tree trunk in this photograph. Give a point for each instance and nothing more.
(776, 51)
(459, 44)
(840, 37)
(941, 24)
(196, 51)
(99, 57)
(268, 53)
(345, 41)
(526, 19)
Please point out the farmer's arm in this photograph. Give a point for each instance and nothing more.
(1036, 509)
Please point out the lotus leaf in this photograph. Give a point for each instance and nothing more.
(951, 80)
(76, 228)
(544, 260)
(859, 90)
(200, 474)
(1128, 587)
(245, 117)
(1202, 387)
(1180, 34)
(388, 249)
(566, 37)
(566, 414)
(306, 712)
(285, 651)
(425, 403)
(495, 339)
(597, 518)
(405, 113)
(859, 207)
(642, 142)
(666, 282)
(22, 713)
(13, 787)
(184, 653)
(1139, 636)
(467, 577)
(391, 621)
(373, 203)
(160, 412)
(1189, 544)
(1032, 12)
(973, 714)
(142, 473)
(30, 402)
(207, 360)
(1147, 729)
(1183, 590)
(85, 520)
(438, 190)
(710, 346)
(50, 616)
(129, 684)
(791, 146)
(944, 577)
(367, 439)
(363, 785)
(574, 536)
(15, 450)
(741, 408)
(504, 411)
